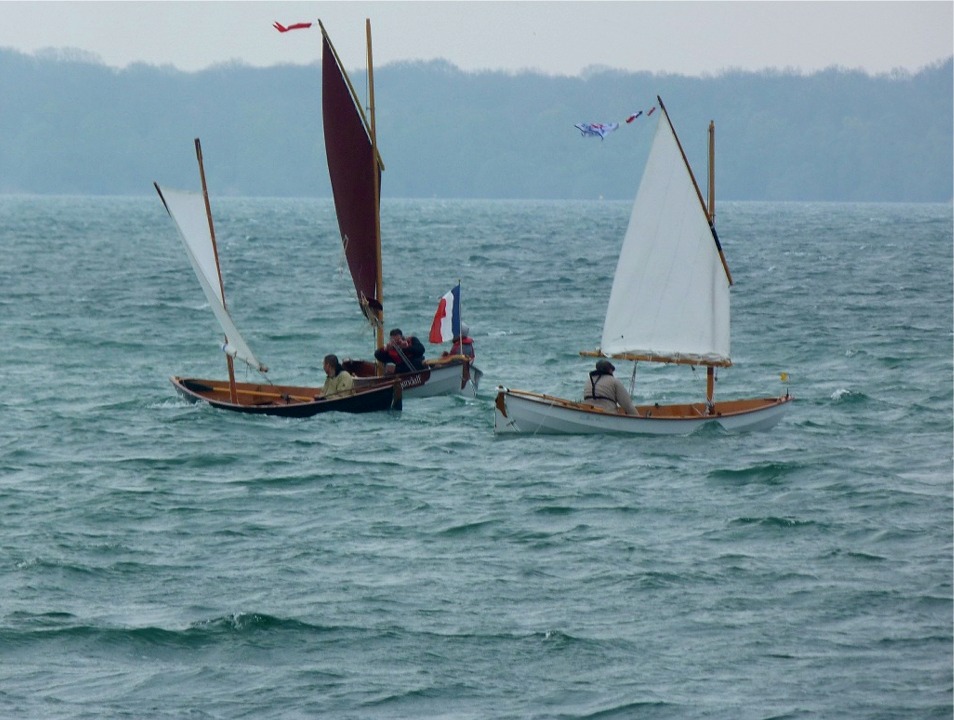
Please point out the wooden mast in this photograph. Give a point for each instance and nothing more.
(710, 211)
(377, 190)
(233, 395)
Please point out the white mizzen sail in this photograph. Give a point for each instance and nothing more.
(670, 296)
(188, 212)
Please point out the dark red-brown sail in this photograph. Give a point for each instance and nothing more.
(352, 167)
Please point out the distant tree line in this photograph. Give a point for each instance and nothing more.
(71, 125)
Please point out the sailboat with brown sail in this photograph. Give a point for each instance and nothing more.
(669, 304)
(355, 168)
(192, 215)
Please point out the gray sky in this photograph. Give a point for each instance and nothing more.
(561, 38)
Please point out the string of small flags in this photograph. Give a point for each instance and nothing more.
(601, 130)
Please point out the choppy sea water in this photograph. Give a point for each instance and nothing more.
(167, 560)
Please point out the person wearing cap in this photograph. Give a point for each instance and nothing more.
(605, 391)
(406, 354)
(462, 344)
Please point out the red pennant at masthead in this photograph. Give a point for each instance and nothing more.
(297, 26)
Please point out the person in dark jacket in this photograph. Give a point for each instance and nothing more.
(405, 353)
(605, 391)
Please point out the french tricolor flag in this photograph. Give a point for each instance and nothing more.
(446, 323)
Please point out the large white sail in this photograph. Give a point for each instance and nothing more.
(188, 212)
(670, 296)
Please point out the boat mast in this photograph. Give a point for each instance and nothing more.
(233, 395)
(377, 189)
(711, 172)
(460, 319)
(710, 211)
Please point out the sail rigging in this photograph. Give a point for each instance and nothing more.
(670, 296)
(355, 170)
(189, 214)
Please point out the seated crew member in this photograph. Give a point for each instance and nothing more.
(603, 390)
(405, 353)
(463, 344)
(338, 381)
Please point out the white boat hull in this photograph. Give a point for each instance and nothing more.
(443, 377)
(457, 379)
(519, 411)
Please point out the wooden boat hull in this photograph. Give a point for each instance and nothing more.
(457, 376)
(287, 400)
(519, 411)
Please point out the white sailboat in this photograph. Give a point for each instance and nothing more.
(669, 303)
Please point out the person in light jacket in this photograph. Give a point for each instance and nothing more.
(604, 391)
(339, 380)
